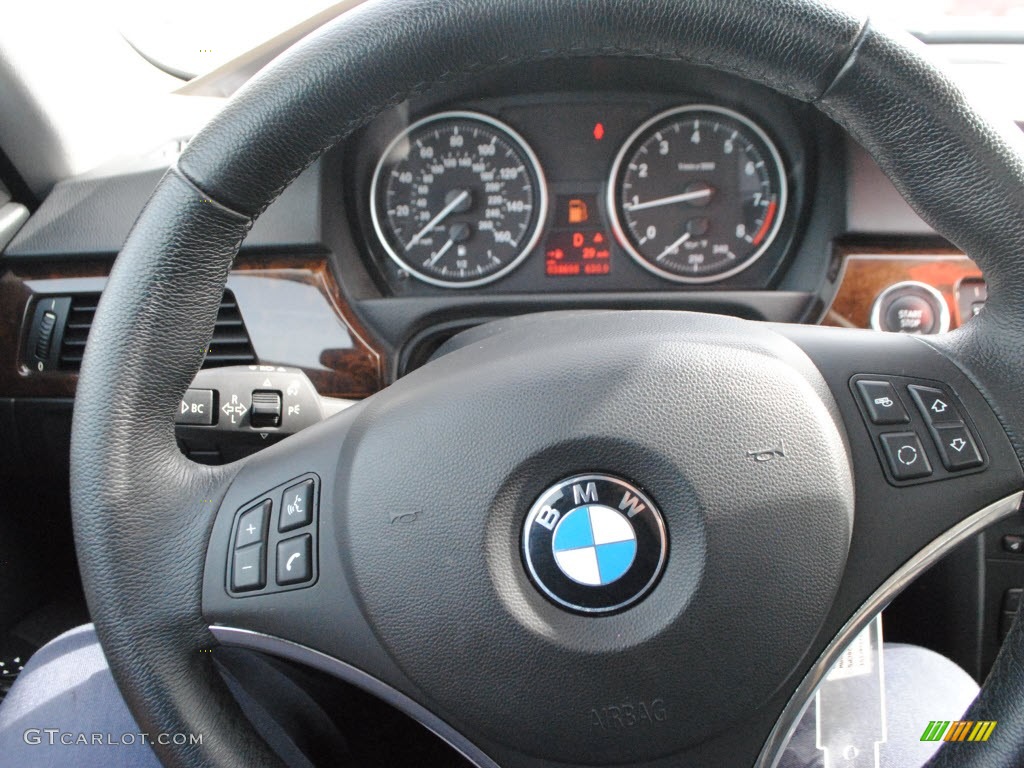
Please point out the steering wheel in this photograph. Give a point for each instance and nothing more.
(788, 517)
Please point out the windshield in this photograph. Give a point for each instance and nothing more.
(192, 37)
(964, 19)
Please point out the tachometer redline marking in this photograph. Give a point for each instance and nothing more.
(767, 224)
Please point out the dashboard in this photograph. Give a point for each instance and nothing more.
(591, 184)
(693, 194)
(706, 185)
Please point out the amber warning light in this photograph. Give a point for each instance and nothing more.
(578, 213)
(578, 252)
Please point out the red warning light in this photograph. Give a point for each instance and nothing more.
(598, 131)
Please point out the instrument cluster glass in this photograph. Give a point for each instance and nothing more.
(458, 199)
(695, 194)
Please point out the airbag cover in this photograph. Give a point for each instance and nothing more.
(727, 426)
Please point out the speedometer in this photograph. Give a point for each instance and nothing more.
(697, 194)
(458, 199)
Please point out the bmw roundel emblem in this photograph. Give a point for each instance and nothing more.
(594, 543)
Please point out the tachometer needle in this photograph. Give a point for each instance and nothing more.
(673, 247)
(458, 200)
(443, 250)
(682, 197)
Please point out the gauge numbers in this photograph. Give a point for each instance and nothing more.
(697, 194)
(458, 199)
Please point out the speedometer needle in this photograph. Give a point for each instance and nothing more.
(441, 252)
(673, 247)
(458, 200)
(680, 198)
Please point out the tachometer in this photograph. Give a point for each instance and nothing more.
(697, 194)
(458, 199)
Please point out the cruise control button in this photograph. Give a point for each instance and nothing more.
(935, 405)
(296, 506)
(882, 402)
(293, 560)
(252, 525)
(906, 456)
(248, 571)
(957, 448)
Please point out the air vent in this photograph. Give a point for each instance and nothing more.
(230, 344)
(76, 331)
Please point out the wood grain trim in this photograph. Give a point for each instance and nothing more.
(352, 366)
(865, 274)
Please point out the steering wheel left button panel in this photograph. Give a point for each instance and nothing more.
(232, 412)
(281, 524)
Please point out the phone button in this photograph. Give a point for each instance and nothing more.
(293, 560)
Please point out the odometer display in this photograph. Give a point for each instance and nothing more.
(458, 199)
(697, 194)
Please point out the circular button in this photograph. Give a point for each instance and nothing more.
(910, 314)
(910, 307)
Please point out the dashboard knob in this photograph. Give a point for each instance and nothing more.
(910, 307)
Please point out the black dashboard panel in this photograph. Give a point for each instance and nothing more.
(576, 117)
(90, 216)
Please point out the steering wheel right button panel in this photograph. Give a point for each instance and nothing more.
(935, 441)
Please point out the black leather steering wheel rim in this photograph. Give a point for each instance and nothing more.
(140, 507)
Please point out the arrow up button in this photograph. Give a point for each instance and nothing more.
(935, 405)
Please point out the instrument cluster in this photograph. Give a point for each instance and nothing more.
(572, 193)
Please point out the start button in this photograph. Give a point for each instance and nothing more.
(910, 314)
(910, 307)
